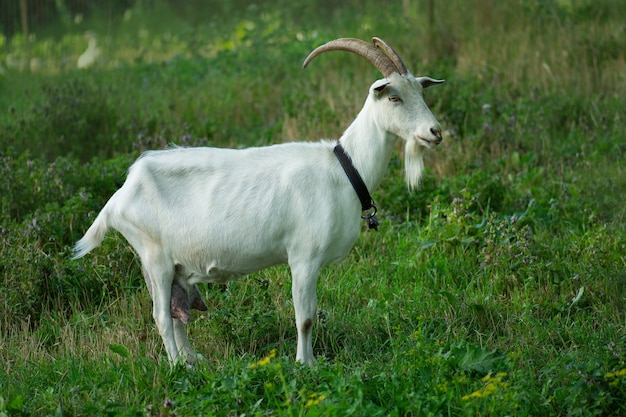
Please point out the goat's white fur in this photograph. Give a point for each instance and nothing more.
(209, 215)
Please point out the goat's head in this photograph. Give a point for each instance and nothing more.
(404, 113)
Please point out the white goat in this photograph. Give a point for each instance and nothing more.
(210, 215)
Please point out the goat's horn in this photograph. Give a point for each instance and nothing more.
(382, 62)
(392, 54)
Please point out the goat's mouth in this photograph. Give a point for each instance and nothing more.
(430, 143)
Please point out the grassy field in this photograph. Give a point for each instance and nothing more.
(497, 288)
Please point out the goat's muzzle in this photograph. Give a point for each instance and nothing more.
(432, 141)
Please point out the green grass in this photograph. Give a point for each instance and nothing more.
(498, 288)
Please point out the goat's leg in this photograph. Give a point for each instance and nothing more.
(182, 342)
(304, 295)
(180, 307)
(160, 274)
(147, 278)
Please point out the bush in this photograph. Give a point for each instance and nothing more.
(75, 118)
(44, 213)
(28, 184)
(35, 275)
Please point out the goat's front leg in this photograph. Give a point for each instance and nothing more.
(304, 295)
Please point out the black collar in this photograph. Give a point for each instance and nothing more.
(367, 203)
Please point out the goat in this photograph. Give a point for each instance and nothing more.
(210, 215)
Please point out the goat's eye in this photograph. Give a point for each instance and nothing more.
(394, 99)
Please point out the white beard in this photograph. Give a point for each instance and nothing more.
(413, 163)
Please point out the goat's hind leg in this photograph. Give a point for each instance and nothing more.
(182, 300)
(180, 309)
(159, 276)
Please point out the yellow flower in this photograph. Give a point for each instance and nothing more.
(492, 384)
(265, 360)
(616, 374)
(314, 399)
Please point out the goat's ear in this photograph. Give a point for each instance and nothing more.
(429, 82)
(379, 86)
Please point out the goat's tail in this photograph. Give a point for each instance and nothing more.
(93, 237)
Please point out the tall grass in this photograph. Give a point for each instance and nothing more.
(495, 289)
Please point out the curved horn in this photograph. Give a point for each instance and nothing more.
(392, 54)
(382, 62)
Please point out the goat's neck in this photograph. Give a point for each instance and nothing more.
(369, 148)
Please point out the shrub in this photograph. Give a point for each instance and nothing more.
(75, 117)
(44, 213)
(35, 275)
(28, 184)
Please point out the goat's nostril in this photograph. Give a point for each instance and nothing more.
(436, 132)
